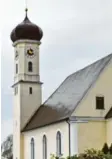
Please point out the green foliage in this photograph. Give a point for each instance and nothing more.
(105, 148)
(88, 154)
(110, 149)
(73, 157)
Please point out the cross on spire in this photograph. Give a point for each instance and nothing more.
(26, 9)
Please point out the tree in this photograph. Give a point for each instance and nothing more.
(6, 147)
(110, 149)
(105, 149)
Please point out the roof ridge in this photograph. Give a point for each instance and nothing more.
(73, 74)
(96, 61)
(110, 110)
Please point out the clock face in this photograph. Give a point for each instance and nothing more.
(30, 52)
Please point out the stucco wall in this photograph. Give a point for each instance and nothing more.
(29, 102)
(22, 146)
(16, 125)
(23, 60)
(103, 86)
(50, 132)
(24, 103)
(109, 131)
(91, 134)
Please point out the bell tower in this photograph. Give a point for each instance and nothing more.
(26, 38)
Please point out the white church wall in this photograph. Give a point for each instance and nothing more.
(50, 132)
(29, 102)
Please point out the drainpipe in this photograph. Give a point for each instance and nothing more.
(69, 137)
(73, 136)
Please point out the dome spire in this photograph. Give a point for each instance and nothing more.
(26, 10)
(26, 30)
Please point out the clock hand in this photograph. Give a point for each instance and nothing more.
(30, 51)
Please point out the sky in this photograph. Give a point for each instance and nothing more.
(76, 33)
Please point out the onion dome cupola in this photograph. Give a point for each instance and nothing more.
(26, 30)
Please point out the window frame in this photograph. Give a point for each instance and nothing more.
(30, 90)
(44, 147)
(58, 144)
(32, 148)
(16, 68)
(100, 102)
(30, 66)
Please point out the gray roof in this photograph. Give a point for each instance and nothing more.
(109, 114)
(61, 104)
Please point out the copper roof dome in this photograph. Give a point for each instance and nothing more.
(26, 30)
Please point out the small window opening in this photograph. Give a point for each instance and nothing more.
(30, 66)
(99, 102)
(16, 68)
(30, 90)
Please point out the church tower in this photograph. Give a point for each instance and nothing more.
(26, 39)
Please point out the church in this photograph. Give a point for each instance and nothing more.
(77, 115)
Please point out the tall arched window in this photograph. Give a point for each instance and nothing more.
(44, 147)
(30, 66)
(58, 144)
(32, 149)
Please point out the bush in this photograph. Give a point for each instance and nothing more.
(105, 153)
(110, 149)
(105, 149)
(88, 154)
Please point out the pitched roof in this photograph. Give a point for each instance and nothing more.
(61, 104)
(109, 114)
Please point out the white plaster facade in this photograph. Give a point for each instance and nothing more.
(50, 132)
(23, 101)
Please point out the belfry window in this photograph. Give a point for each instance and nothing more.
(44, 147)
(30, 66)
(16, 68)
(32, 149)
(58, 144)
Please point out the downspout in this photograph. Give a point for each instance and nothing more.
(69, 137)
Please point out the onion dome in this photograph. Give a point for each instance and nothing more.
(26, 30)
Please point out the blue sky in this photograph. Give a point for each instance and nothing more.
(76, 33)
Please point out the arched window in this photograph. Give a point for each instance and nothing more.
(44, 147)
(30, 66)
(58, 144)
(32, 149)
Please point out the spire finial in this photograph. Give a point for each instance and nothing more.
(26, 10)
